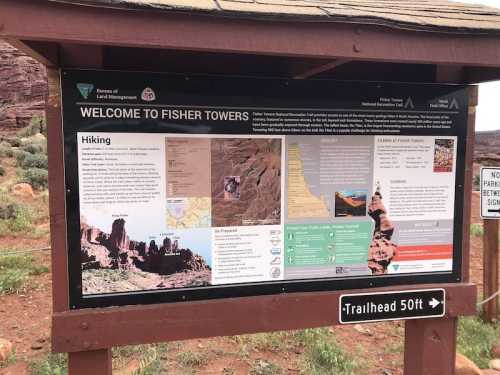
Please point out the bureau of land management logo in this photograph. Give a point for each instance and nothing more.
(148, 95)
(85, 89)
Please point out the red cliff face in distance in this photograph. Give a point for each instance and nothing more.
(23, 88)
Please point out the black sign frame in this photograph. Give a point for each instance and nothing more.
(222, 91)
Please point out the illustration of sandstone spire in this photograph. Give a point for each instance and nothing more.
(382, 249)
(118, 238)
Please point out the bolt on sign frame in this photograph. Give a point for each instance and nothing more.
(249, 45)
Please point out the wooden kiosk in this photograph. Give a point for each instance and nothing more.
(389, 41)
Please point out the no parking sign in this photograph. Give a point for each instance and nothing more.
(490, 192)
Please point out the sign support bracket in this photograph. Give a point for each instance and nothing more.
(490, 270)
(90, 362)
(430, 346)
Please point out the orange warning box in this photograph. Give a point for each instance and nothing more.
(424, 252)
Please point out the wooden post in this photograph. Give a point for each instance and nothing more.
(96, 362)
(430, 346)
(490, 269)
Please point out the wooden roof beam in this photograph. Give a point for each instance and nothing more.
(73, 24)
(82, 56)
(318, 68)
(46, 53)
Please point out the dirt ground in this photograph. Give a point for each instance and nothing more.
(25, 321)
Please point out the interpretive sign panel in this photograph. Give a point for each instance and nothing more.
(375, 307)
(490, 192)
(183, 188)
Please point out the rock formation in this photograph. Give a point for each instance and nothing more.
(382, 249)
(23, 88)
(117, 251)
(118, 239)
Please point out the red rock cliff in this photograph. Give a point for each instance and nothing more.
(23, 88)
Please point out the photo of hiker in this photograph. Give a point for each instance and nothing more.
(232, 187)
(443, 155)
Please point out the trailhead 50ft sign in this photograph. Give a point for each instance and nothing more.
(188, 188)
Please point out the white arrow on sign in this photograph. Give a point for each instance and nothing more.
(433, 303)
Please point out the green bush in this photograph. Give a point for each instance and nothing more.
(12, 280)
(36, 126)
(323, 355)
(15, 270)
(53, 364)
(36, 177)
(475, 339)
(35, 144)
(192, 359)
(476, 182)
(261, 367)
(20, 155)
(34, 148)
(150, 358)
(6, 150)
(476, 230)
(14, 141)
(9, 209)
(14, 217)
(27, 160)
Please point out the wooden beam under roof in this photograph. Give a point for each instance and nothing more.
(318, 68)
(72, 24)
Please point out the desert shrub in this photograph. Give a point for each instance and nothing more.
(53, 364)
(475, 339)
(9, 209)
(20, 224)
(2, 170)
(12, 280)
(20, 155)
(192, 359)
(323, 355)
(14, 141)
(34, 148)
(14, 217)
(28, 160)
(329, 358)
(15, 270)
(149, 356)
(262, 367)
(6, 150)
(476, 230)
(271, 341)
(36, 126)
(36, 177)
(476, 181)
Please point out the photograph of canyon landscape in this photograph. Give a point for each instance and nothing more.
(114, 263)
